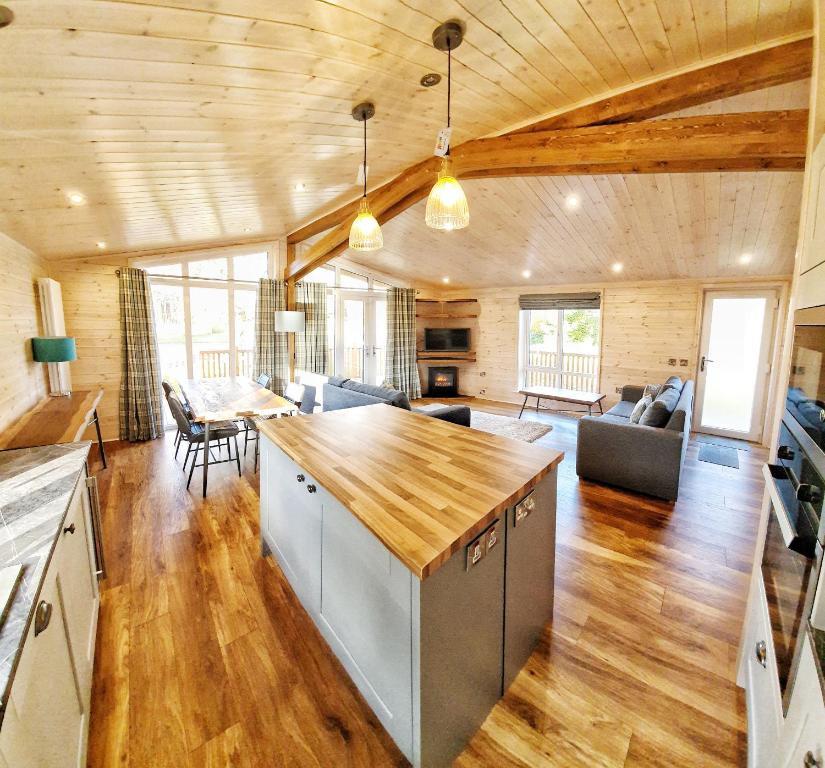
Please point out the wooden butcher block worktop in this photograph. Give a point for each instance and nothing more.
(424, 487)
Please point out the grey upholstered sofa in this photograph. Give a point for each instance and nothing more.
(642, 458)
(346, 393)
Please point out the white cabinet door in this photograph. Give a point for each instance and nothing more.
(76, 570)
(293, 525)
(762, 696)
(803, 735)
(366, 616)
(45, 725)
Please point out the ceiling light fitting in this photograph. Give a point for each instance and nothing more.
(447, 204)
(76, 198)
(430, 79)
(365, 232)
(6, 16)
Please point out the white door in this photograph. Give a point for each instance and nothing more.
(734, 362)
(364, 336)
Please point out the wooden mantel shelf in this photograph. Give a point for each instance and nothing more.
(448, 315)
(447, 301)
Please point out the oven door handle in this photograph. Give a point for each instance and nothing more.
(789, 534)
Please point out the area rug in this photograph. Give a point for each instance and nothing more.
(506, 426)
(719, 454)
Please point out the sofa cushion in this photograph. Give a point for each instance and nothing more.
(391, 396)
(658, 414)
(623, 409)
(653, 390)
(640, 408)
(336, 381)
(672, 382)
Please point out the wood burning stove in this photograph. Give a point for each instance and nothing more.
(442, 381)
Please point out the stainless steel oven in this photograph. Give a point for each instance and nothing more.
(793, 553)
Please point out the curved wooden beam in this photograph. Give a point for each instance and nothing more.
(751, 141)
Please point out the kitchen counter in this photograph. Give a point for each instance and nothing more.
(36, 487)
(423, 487)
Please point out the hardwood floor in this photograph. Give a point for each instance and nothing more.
(205, 658)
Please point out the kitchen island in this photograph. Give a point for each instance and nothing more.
(424, 553)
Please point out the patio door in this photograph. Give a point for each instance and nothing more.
(363, 330)
(734, 363)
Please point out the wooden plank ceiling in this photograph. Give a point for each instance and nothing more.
(188, 122)
(657, 226)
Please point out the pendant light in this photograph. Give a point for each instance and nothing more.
(447, 205)
(365, 233)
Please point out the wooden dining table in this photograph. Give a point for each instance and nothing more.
(227, 399)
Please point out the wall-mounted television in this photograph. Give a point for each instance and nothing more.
(447, 339)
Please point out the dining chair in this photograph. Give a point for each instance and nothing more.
(195, 435)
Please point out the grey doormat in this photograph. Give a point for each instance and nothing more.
(719, 454)
(728, 442)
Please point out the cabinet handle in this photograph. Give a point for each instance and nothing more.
(311, 488)
(301, 478)
(762, 653)
(810, 493)
(809, 761)
(69, 529)
(42, 617)
(785, 452)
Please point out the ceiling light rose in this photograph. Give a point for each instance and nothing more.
(365, 232)
(447, 207)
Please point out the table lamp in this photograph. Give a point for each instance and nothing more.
(55, 349)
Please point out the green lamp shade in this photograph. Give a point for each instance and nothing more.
(54, 349)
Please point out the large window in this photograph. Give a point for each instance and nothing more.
(205, 312)
(560, 348)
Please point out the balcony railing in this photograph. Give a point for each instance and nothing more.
(577, 371)
(214, 363)
(354, 362)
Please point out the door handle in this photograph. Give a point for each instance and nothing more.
(704, 360)
(42, 617)
(762, 653)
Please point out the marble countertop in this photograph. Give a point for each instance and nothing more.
(36, 486)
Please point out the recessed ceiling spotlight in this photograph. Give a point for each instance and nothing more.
(300, 187)
(617, 267)
(76, 198)
(572, 201)
(526, 273)
(746, 258)
(445, 279)
(101, 244)
(430, 79)
(6, 16)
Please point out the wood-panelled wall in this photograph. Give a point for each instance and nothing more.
(23, 382)
(90, 306)
(644, 325)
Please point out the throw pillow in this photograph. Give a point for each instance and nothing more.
(673, 382)
(655, 416)
(640, 408)
(652, 390)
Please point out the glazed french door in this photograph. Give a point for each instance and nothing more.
(363, 333)
(734, 363)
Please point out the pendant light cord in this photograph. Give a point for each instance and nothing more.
(365, 157)
(449, 83)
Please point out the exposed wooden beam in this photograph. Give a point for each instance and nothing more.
(742, 142)
(779, 64)
(785, 63)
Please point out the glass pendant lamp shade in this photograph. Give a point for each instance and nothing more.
(447, 204)
(365, 232)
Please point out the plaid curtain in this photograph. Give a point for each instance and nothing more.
(401, 368)
(141, 417)
(271, 349)
(311, 345)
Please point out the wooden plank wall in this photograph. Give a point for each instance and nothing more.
(90, 306)
(24, 382)
(644, 325)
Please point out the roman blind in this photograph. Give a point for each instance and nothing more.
(560, 301)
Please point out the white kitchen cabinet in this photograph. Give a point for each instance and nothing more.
(803, 735)
(758, 675)
(46, 721)
(292, 526)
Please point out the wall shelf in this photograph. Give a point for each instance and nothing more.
(448, 315)
(446, 357)
(446, 301)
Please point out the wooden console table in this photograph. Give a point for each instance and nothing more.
(562, 396)
(56, 419)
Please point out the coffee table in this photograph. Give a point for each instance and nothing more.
(562, 396)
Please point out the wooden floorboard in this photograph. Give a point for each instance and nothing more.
(205, 659)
